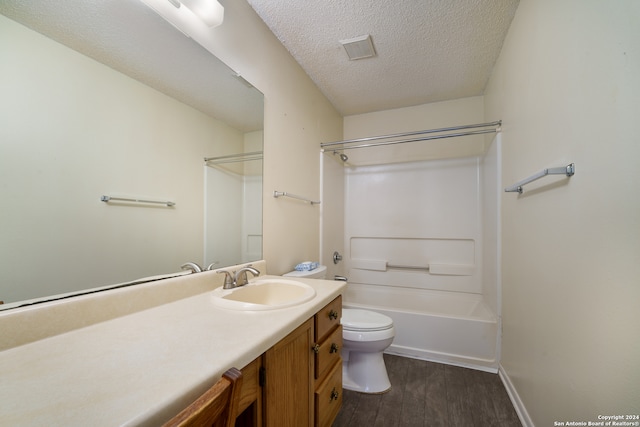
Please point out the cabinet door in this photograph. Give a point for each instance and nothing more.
(288, 393)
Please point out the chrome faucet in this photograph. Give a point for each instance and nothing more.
(195, 268)
(239, 278)
(210, 267)
(241, 275)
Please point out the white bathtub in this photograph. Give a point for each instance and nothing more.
(446, 327)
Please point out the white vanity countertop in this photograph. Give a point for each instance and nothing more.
(141, 368)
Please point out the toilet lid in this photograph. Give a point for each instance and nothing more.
(364, 320)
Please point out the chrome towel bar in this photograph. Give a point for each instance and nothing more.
(122, 199)
(277, 194)
(568, 170)
(234, 158)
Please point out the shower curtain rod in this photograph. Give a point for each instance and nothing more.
(495, 128)
(233, 158)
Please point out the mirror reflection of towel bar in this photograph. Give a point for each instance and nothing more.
(122, 199)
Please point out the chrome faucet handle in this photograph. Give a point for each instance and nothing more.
(229, 283)
(241, 275)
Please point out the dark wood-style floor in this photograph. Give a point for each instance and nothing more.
(430, 394)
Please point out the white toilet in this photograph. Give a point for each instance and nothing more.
(365, 336)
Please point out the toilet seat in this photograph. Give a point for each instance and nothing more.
(356, 320)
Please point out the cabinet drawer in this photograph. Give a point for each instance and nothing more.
(328, 318)
(328, 397)
(328, 352)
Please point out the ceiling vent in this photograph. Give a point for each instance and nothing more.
(359, 47)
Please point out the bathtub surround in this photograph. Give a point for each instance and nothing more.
(414, 251)
(416, 233)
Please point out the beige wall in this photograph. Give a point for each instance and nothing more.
(297, 119)
(461, 111)
(567, 88)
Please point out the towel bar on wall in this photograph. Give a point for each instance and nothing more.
(277, 194)
(568, 170)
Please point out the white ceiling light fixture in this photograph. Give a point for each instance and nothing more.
(359, 47)
(209, 11)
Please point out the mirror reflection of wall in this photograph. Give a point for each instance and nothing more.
(234, 184)
(73, 130)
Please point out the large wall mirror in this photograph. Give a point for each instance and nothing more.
(105, 98)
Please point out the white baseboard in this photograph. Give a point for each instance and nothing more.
(525, 419)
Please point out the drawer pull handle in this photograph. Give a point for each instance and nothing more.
(316, 348)
(334, 348)
(333, 315)
(334, 395)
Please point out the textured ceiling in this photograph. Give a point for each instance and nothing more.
(129, 37)
(427, 50)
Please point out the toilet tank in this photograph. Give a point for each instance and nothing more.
(317, 273)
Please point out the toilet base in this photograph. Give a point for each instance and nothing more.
(365, 373)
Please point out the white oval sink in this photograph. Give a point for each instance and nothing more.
(264, 294)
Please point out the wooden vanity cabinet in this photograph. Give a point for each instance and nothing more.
(327, 363)
(300, 376)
